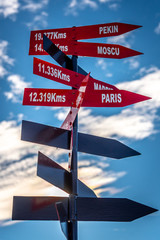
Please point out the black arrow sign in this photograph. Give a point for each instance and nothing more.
(88, 209)
(60, 138)
(60, 177)
(63, 218)
(60, 57)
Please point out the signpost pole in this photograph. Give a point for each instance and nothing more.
(72, 197)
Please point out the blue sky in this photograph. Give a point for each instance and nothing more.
(136, 178)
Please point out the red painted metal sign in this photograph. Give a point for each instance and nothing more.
(66, 98)
(87, 49)
(67, 77)
(76, 33)
(102, 50)
(69, 120)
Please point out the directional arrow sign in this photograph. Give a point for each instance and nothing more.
(88, 49)
(67, 77)
(110, 209)
(101, 50)
(69, 120)
(53, 173)
(66, 98)
(59, 56)
(88, 209)
(37, 208)
(57, 137)
(76, 33)
(63, 218)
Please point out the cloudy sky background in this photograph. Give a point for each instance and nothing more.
(137, 126)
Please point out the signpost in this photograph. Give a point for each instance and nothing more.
(82, 203)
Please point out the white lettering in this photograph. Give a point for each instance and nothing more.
(100, 87)
(119, 98)
(108, 29)
(108, 50)
(53, 97)
(55, 35)
(111, 98)
(103, 97)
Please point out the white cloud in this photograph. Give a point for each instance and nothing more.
(144, 70)
(134, 122)
(104, 1)
(33, 6)
(4, 58)
(102, 64)
(108, 75)
(17, 85)
(38, 22)
(121, 39)
(157, 29)
(133, 63)
(76, 5)
(95, 176)
(114, 6)
(8, 8)
(18, 167)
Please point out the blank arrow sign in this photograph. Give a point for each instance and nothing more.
(57, 137)
(53, 173)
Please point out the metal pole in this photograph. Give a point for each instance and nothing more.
(73, 226)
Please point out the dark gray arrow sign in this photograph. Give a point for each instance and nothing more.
(88, 209)
(60, 57)
(63, 218)
(60, 138)
(60, 177)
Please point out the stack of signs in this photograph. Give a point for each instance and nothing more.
(82, 203)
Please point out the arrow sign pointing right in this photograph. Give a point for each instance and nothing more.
(88, 49)
(65, 76)
(63, 35)
(67, 97)
(69, 120)
(57, 137)
(110, 209)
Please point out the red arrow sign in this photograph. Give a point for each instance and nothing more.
(67, 77)
(101, 50)
(66, 98)
(69, 120)
(77, 33)
(87, 49)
